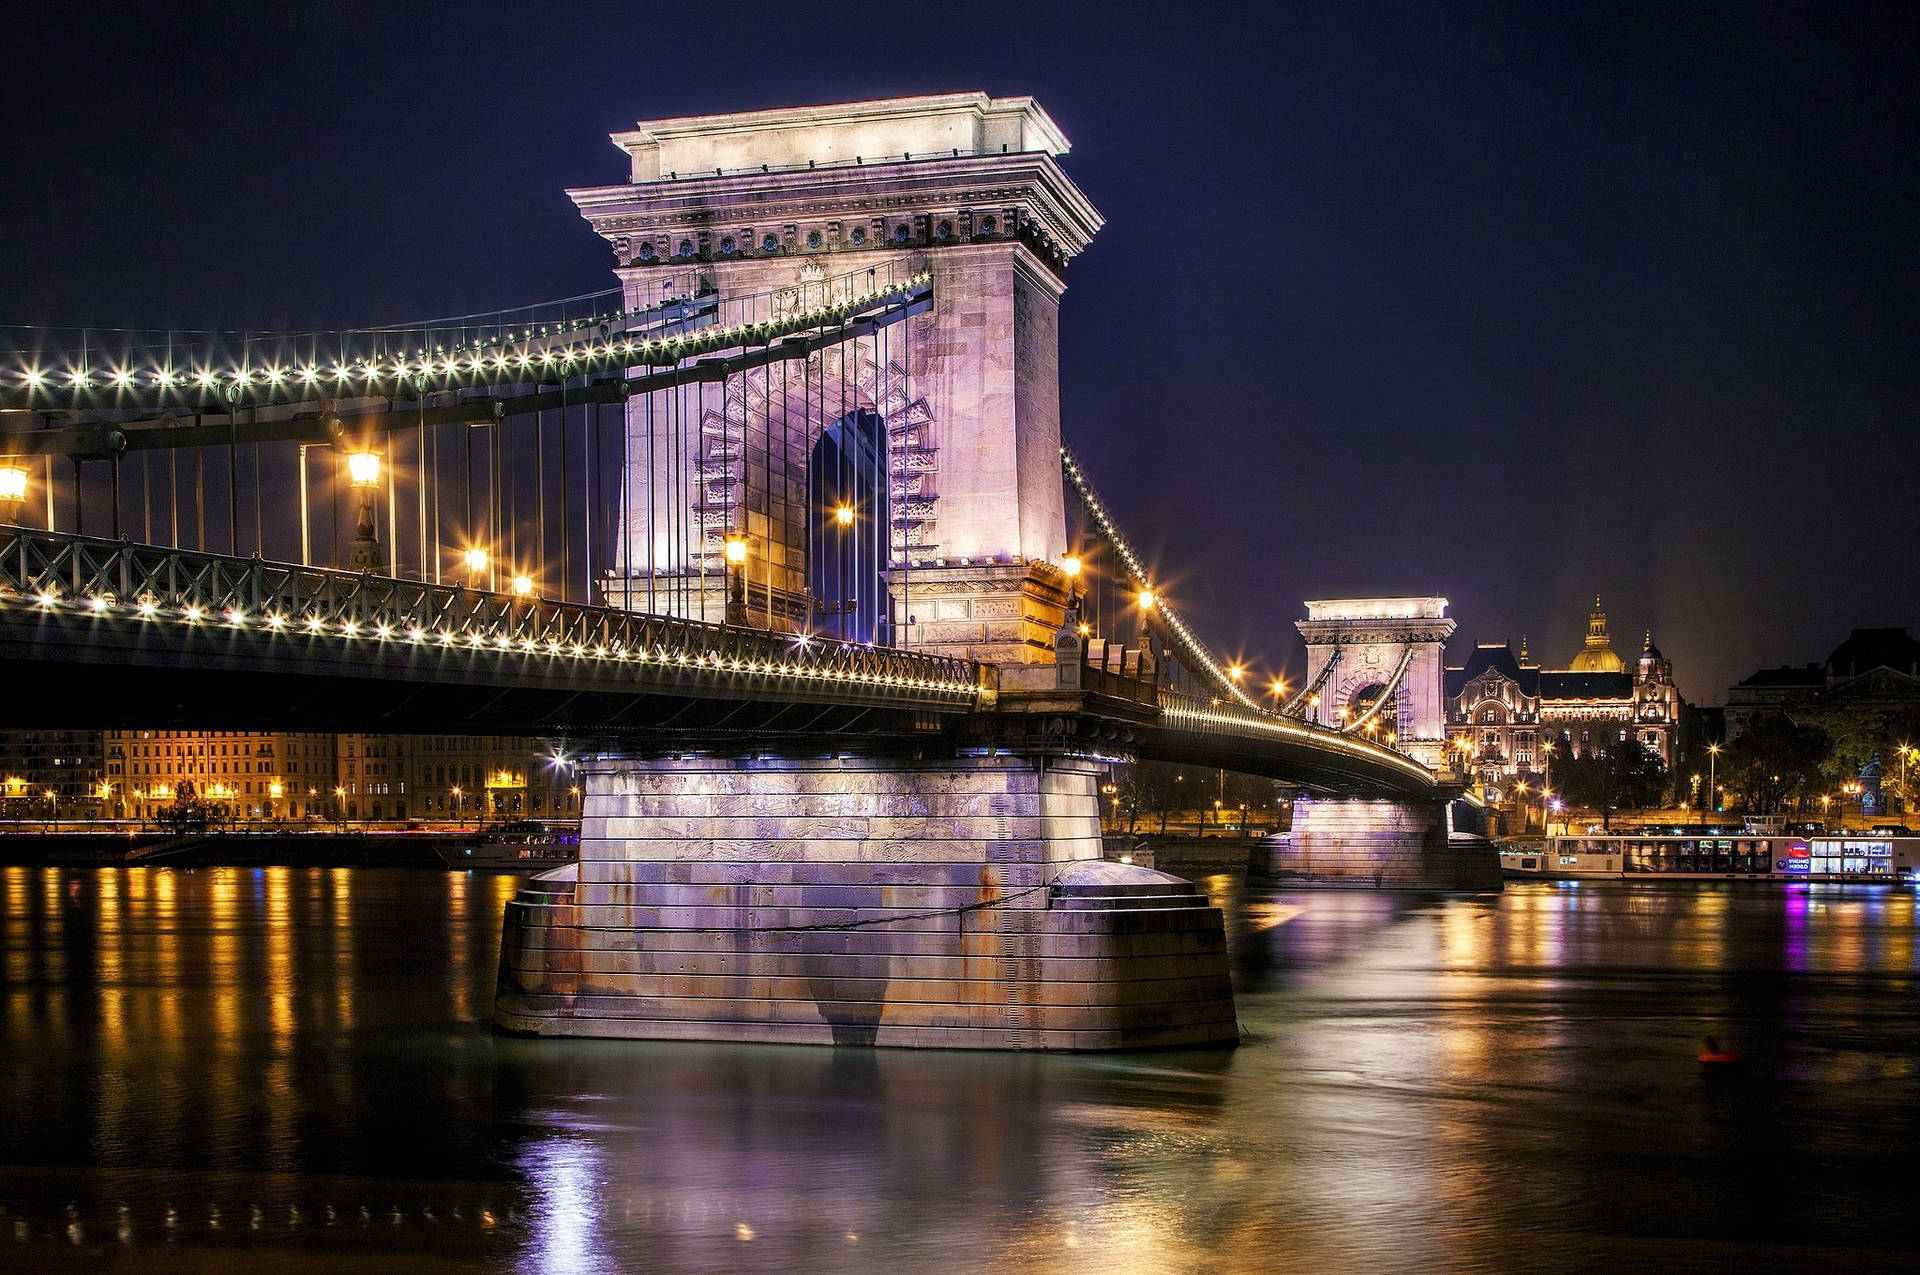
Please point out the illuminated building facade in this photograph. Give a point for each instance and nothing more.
(459, 777)
(283, 776)
(254, 774)
(45, 772)
(1504, 712)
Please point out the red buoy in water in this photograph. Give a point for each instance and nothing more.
(1714, 1056)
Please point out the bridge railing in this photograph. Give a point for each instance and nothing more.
(116, 580)
(1124, 686)
(121, 371)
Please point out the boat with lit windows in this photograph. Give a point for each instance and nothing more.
(1749, 854)
(525, 845)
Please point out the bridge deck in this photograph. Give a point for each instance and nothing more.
(128, 612)
(155, 636)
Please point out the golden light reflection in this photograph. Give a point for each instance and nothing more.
(458, 884)
(165, 951)
(1264, 915)
(223, 955)
(109, 925)
(19, 958)
(280, 981)
(110, 960)
(340, 886)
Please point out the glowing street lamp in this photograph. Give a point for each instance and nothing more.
(363, 468)
(1146, 599)
(523, 586)
(1713, 761)
(13, 487)
(1072, 566)
(477, 561)
(844, 515)
(736, 552)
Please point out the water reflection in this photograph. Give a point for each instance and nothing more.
(238, 1062)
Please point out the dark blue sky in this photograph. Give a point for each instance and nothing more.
(1511, 303)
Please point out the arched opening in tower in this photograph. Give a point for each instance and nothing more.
(849, 525)
(1361, 702)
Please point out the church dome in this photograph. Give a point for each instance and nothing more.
(1597, 655)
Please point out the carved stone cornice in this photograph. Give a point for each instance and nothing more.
(1373, 632)
(1032, 183)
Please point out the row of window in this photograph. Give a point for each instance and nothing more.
(197, 767)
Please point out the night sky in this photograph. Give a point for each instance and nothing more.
(1515, 304)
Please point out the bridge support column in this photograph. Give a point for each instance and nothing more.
(956, 903)
(1382, 844)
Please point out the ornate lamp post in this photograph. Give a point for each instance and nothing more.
(1713, 761)
(841, 604)
(478, 563)
(363, 467)
(737, 579)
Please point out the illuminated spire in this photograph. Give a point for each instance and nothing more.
(1597, 655)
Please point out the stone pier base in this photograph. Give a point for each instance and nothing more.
(959, 903)
(1382, 844)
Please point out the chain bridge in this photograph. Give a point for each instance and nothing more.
(781, 533)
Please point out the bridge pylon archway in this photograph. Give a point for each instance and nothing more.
(1379, 662)
(807, 208)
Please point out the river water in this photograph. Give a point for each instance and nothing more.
(270, 1069)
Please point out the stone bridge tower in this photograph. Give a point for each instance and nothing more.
(1364, 650)
(770, 210)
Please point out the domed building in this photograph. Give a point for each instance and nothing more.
(1597, 656)
(1504, 711)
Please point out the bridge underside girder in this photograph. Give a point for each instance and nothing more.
(101, 689)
